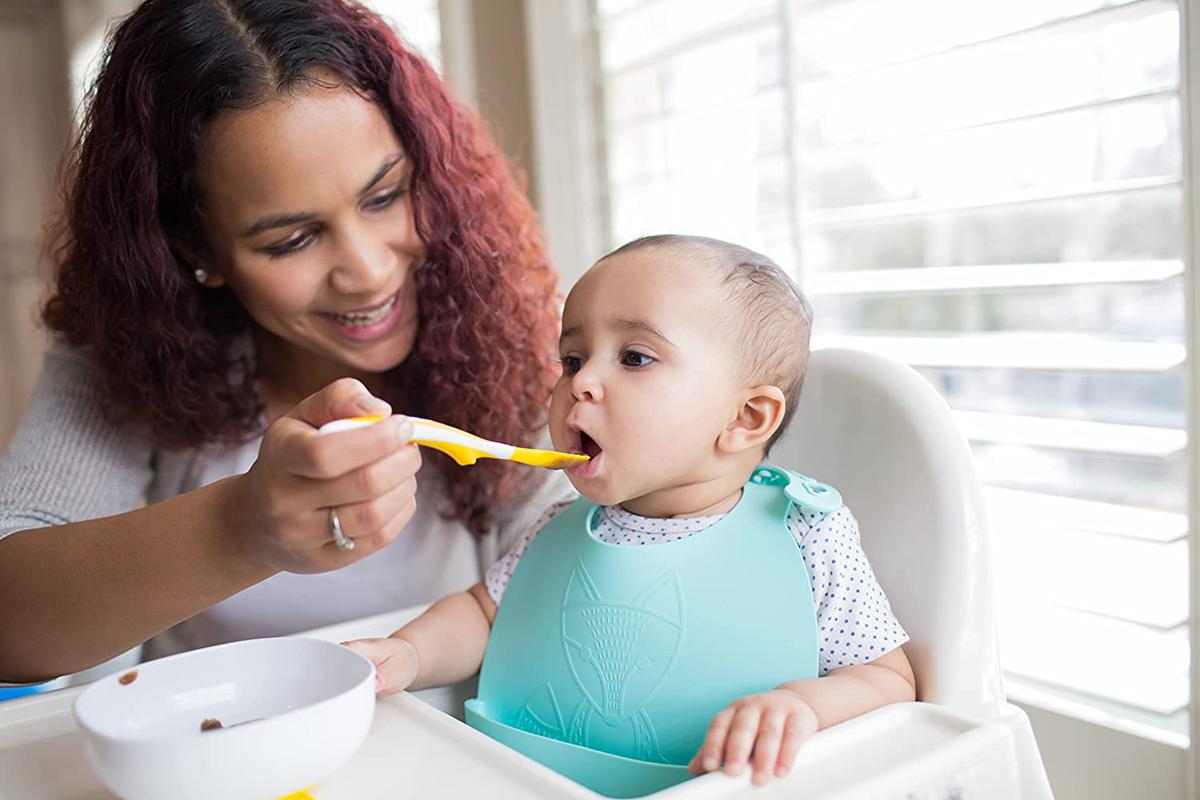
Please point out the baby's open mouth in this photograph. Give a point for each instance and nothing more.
(588, 446)
(582, 442)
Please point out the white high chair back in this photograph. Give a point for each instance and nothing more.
(878, 432)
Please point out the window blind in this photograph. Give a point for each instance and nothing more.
(991, 192)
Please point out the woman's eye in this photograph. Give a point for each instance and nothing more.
(632, 358)
(571, 364)
(383, 201)
(292, 245)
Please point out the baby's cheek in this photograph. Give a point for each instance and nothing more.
(557, 417)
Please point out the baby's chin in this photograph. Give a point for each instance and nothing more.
(597, 491)
(594, 493)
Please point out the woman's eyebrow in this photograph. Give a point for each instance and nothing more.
(278, 221)
(383, 170)
(284, 220)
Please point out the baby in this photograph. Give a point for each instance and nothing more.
(694, 608)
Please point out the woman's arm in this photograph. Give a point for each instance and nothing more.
(77, 593)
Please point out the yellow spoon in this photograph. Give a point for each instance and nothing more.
(465, 448)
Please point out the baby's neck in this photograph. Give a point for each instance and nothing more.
(717, 496)
(723, 506)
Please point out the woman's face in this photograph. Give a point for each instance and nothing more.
(309, 219)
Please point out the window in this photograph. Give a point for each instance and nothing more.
(995, 199)
(417, 22)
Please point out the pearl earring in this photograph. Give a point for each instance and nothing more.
(201, 275)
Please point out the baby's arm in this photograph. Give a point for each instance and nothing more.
(849, 691)
(446, 643)
(769, 728)
(442, 646)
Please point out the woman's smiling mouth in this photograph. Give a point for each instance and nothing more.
(365, 324)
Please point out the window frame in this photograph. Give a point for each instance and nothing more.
(1189, 93)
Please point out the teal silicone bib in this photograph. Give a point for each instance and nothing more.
(606, 662)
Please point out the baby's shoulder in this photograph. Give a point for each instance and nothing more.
(837, 525)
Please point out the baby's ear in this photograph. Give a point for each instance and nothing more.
(759, 416)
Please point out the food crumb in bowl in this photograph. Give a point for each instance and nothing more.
(128, 677)
(210, 725)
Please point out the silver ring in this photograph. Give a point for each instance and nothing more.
(343, 543)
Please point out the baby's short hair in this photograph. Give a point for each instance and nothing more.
(772, 316)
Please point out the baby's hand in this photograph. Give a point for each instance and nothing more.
(396, 662)
(772, 725)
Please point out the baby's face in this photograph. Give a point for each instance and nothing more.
(648, 378)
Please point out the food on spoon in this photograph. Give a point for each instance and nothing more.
(210, 725)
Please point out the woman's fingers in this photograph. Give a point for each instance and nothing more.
(376, 523)
(366, 483)
(366, 474)
(309, 454)
(343, 398)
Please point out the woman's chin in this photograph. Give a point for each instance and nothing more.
(385, 355)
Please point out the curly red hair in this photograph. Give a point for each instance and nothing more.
(164, 348)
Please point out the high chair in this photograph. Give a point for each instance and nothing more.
(879, 432)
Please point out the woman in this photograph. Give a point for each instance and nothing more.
(277, 217)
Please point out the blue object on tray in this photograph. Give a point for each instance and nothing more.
(13, 692)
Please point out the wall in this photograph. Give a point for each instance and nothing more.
(34, 94)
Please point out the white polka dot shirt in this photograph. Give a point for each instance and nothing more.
(855, 624)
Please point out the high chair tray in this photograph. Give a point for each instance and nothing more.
(416, 749)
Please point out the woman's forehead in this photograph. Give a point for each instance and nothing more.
(299, 150)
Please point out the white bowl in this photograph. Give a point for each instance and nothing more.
(307, 705)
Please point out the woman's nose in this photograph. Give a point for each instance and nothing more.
(364, 264)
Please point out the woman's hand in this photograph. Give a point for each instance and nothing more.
(771, 725)
(281, 506)
(396, 662)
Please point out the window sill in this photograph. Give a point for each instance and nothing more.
(1168, 730)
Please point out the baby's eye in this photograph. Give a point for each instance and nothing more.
(570, 364)
(632, 358)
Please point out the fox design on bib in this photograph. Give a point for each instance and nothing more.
(619, 653)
